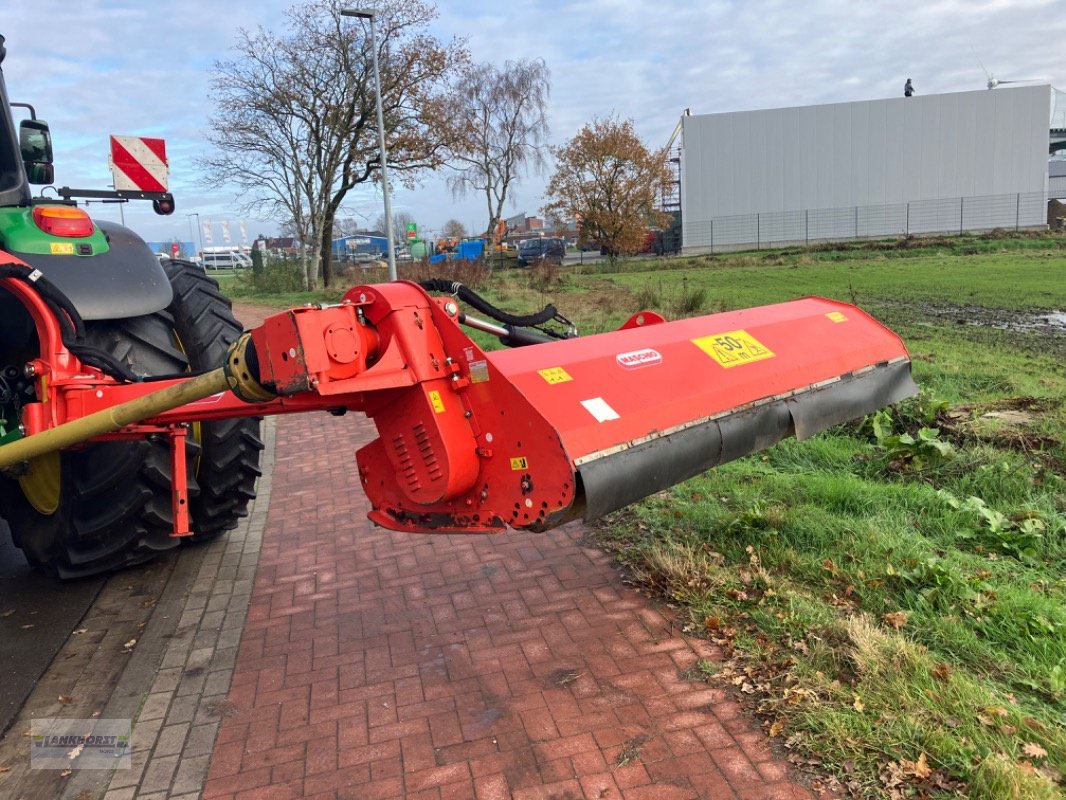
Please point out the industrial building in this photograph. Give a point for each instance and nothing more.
(963, 161)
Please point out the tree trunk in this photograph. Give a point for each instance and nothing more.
(325, 249)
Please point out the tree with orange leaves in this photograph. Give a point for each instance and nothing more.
(609, 181)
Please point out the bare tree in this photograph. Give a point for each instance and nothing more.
(295, 123)
(400, 221)
(453, 229)
(349, 226)
(509, 131)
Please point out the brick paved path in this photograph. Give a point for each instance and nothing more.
(384, 665)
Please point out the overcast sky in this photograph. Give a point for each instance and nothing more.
(99, 67)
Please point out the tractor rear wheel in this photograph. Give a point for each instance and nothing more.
(108, 505)
(228, 462)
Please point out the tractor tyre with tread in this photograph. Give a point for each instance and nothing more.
(112, 504)
(228, 462)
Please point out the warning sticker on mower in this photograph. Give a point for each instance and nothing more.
(837, 316)
(734, 348)
(555, 375)
(519, 463)
(436, 402)
(479, 371)
(62, 248)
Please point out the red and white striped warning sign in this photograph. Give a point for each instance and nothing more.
(139, 163)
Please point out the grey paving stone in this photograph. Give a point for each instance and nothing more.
(155, 706)
(166, 680)
(191, 773)
(171, 740)
(218, 682)
(182, 709)
(191, 684)
(201, 741)
(158, 775)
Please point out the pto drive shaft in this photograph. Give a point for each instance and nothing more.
(115, 418)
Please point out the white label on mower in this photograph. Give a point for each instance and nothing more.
(599, 409)
(639, 358)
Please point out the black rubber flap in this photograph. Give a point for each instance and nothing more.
(851, 397)
(621, 478)
(625, 477)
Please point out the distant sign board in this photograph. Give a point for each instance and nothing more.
(139, 163)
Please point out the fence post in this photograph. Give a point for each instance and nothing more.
(712, 235)
(758, 231)
(1017, 212)
(962, 204)
(806, 226)
(907, 231)
(856, 223)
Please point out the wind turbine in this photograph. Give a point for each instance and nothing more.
(993, 81)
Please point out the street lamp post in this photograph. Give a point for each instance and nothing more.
(199, 230)
(371, 14)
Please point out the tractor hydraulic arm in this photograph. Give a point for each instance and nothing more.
(526, 438)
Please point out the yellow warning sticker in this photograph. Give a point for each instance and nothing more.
(733, 348)
(519, 463)
(436, 402)
(837, 316)
(554, 375)
(62, 248)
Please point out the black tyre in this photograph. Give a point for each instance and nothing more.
(228, 461)
(106, 506)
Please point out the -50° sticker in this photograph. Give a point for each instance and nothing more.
(733, 348)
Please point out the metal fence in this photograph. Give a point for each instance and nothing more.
(919, 217)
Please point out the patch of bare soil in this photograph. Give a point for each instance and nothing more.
(1052, 322)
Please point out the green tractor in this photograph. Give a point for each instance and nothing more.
(108, 504)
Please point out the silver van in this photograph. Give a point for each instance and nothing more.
(226, 261)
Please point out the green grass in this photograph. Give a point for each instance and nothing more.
(892, 602)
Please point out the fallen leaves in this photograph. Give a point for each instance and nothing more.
(128, 646)
(917, 769)
(1034, 750)
(65, 700)
(897, 619)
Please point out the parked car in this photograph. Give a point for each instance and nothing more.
(549, 248)
(226, 261)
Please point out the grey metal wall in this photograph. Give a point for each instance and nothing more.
(861, 159)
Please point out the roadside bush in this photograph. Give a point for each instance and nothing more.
(276, 277)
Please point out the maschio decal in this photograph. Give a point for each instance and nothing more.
(639, 358)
